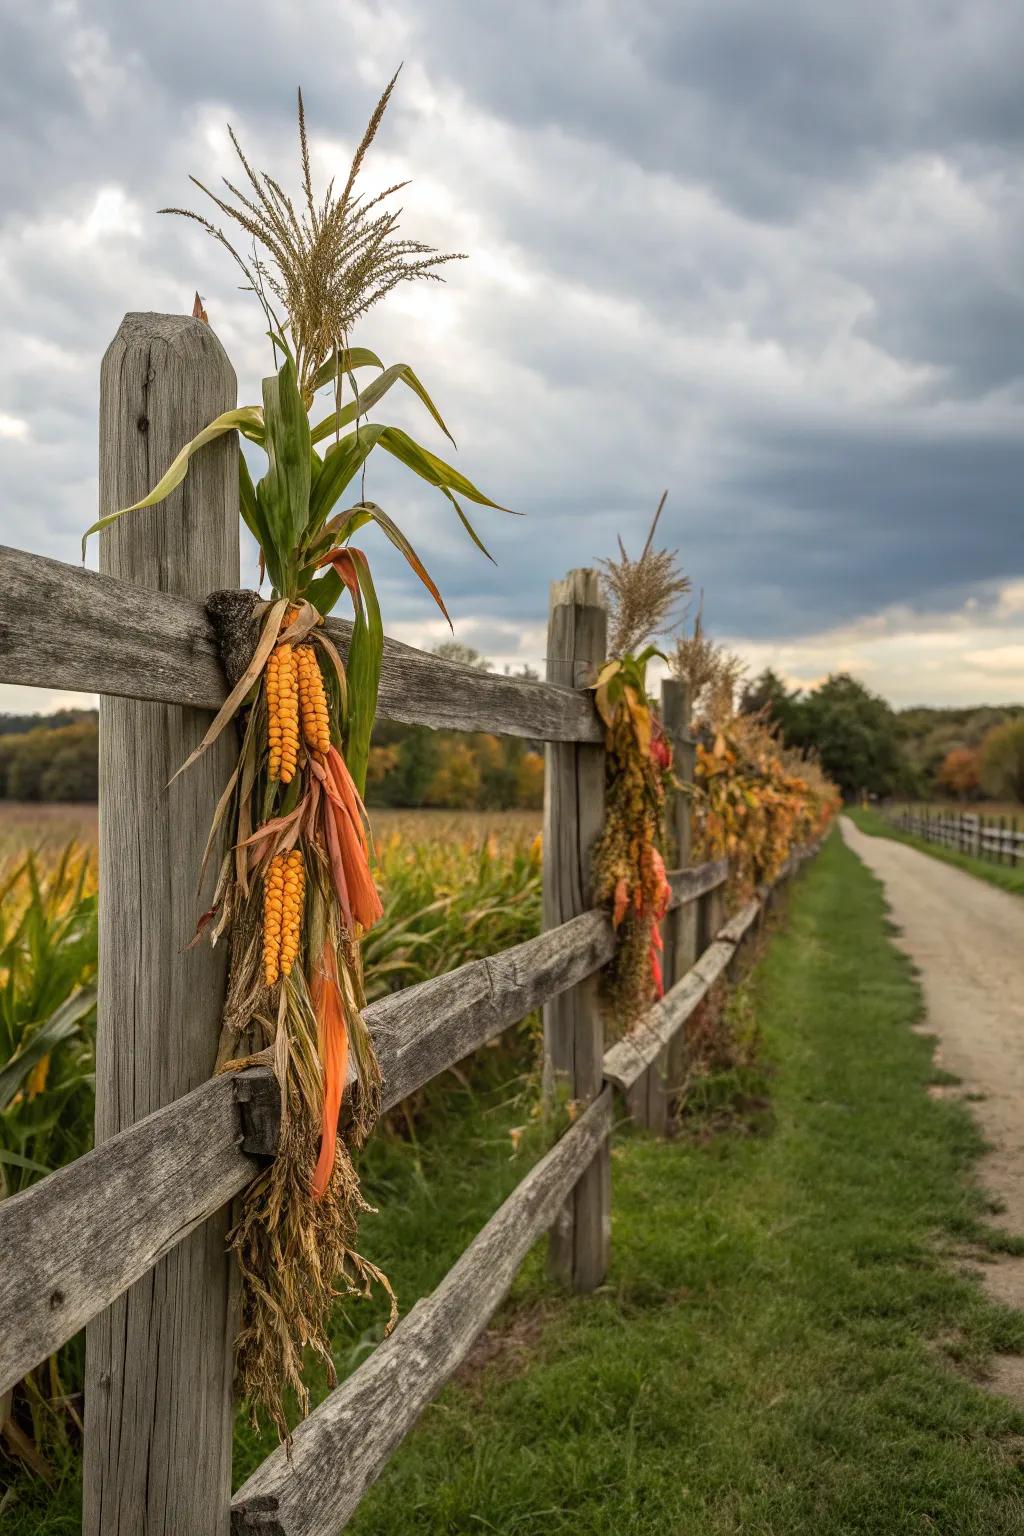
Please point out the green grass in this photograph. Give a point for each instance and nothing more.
(772, 1353)
(875, 825)
(784, 1344)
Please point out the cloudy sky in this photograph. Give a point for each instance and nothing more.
(768, 256)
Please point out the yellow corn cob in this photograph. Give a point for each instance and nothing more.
(273, 912)
(316, 726)
(282, 713)
(291, 926)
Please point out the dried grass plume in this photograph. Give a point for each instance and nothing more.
(711, 672)
(318, 269)
(641, 594)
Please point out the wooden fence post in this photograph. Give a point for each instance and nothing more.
(710, 917)
(649, 1097)
(159, 1361)
(573, 1025)
(681, 925)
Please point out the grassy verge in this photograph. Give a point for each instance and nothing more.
(782, 1346)
(875, 824)
(770, 1354)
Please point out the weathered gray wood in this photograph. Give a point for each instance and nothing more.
(159, 1361)
(92, 1229)
(736, 929)
(627, 1061)
(65, 626)
(681, 929)
(344, 1444)
(76, 1240)
(440, 1021)
(630, 1058)
(688, 885)
(573, 1022)
(710, 917)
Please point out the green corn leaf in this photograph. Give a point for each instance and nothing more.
(252, 512)
(346, 362)
(397, 373)
(344, 459)
(324, 592)
(432, 469)
(284, 491)
(464, 520)
(59, 1026)
(247, 419)
(399, 540)
(364, 658)
(15, 1160)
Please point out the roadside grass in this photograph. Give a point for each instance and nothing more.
(784, 1344)
(875, 825)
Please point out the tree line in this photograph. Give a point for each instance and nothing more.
(868, 748)
(863, 744)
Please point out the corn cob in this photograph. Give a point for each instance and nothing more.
(282, 713)
(273, 912)
(291, 926)
(316, 727)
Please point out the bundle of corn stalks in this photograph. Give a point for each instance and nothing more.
(294, 889)
(629, 868)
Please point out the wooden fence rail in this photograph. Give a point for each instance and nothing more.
(129, 1240)
(87, 1232)
(999, 839)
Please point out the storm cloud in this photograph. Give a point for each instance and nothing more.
(768, 257)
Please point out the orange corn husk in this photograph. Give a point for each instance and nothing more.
(333, 1043)
(353, 844)
(273, 914)
(294, 884)
(316, 726)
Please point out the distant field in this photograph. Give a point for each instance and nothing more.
(44, 828)
(48, 827)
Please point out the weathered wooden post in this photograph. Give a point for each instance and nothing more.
(159, 1361)
(573, 1025)
(710, 917)
(649, 1099)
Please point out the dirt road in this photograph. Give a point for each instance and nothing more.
(966, 938)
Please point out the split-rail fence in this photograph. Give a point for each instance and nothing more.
(129, 1240)
(998, 839)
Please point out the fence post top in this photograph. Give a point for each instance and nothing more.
(185, 335)
(581, 587)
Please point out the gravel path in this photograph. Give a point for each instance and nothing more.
(966, 938)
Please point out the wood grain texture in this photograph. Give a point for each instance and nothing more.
(438, 1022)
(688, 885)
(158, 1372)
(65, 626)
(573, 1022)
(81, 1236)
(633, 1055)
(154, 1182)
(344, 1444)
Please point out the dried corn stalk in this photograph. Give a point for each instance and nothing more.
(294, 890)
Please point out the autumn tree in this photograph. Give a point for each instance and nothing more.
(1002, 761)
(960, 772)
(456, 784)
